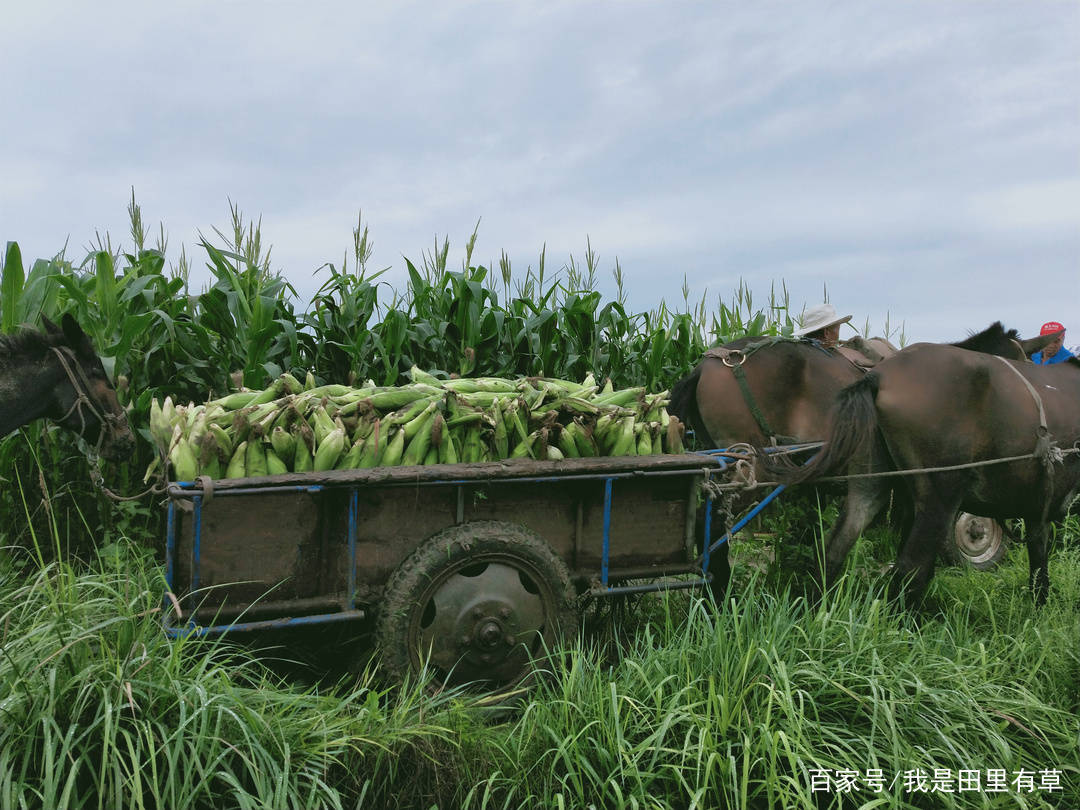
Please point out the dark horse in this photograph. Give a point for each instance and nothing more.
(57, 374)
(954, 415)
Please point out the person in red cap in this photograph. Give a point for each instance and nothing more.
(1054, 351)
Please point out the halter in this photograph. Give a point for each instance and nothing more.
(81, 385)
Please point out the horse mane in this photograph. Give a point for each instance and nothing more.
(988, 339)
(26, 343)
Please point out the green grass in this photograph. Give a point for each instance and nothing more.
(696, 708)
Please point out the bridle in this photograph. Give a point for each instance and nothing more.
(83, 399)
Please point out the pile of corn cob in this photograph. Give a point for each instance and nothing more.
(298, 427)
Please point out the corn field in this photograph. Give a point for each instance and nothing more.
(245, 329)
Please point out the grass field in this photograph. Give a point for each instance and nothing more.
(766, 702)
(669, 702)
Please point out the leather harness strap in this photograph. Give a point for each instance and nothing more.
(734, 359)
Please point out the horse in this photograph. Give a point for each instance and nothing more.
(56, 374)
(976, 433)
(771, 390)
(788, 386)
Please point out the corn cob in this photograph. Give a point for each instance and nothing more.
(330, 450)
(237, 467)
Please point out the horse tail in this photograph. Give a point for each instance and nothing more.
(683, 404)
(854, 422)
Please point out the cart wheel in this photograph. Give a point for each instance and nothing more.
(977, 541)
(478, 603)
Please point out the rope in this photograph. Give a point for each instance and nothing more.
(109, 422)
(98, 480)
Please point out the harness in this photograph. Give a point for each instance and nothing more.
(734, 359)
(109, 422)
(81, 384)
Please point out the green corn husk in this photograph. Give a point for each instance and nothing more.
(567, 445)
(255, 459)
(184, 462)
(222, 438)
(525, 448)
(237, 467)
(330, 450)
(470, 445)
(500, 442)
(417, 375)
(420, 422)
(480, 385)
(624, 398)
(322, 424)
(521, 424)
(309, 381)
(351, 460)
(398, 397)
(284, 444)
(644, 440)
(583, 438)
(270, 393)
(431, 420)
(274, 464)
(574, 405)
(374, 445)
(473, 418)
(420, 441)
(234, 402)
(394, 449)
(448, 453)
(625, 440)
(160, 430)
(303, 461)
(292, 385)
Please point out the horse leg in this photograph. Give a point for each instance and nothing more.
(936, 505)
(1037, 548)
(866, 497)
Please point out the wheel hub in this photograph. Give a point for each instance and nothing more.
(482, 624)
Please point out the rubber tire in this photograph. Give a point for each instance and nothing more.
(954, 555)
(449, 551)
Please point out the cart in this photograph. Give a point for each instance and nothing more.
(468, 570)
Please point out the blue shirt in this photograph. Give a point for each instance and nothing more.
(1062, 355)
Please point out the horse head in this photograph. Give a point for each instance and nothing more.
(83, 400)
(995, 339)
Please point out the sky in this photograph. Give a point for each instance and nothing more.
(918, 162)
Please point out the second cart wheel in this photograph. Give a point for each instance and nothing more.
(977, 541)
(477, 603)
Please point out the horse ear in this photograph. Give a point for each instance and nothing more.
(50, 327)
(76, 337)
(1035, 344)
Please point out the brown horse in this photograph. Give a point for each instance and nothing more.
(792, 384)
(57, 374)
(986, 435)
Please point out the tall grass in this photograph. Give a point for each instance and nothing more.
(739, 708)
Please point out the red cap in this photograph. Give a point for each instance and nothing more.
(1050, 327)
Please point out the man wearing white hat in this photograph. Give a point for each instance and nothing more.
(821, 323)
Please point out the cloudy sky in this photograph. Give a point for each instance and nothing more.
(919, 160)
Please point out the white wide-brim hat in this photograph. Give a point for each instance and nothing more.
(819, 317)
